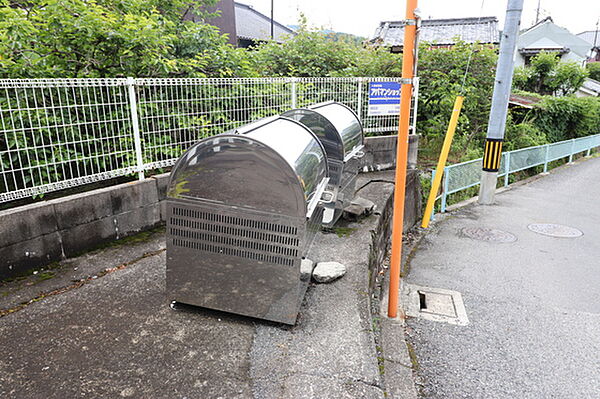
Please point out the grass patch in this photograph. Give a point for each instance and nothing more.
(344, 231)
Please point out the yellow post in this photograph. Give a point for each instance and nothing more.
(439, 171)
(408, 69)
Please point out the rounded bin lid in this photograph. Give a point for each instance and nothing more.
(323, 129)
(277, 167)
(345, 121)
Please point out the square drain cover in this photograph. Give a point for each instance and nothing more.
(435, 304)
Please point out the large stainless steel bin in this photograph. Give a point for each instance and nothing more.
(242, 211)
(341, 133)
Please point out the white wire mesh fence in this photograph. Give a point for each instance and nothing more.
(61, 133)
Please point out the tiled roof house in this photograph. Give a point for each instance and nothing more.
(253, 27)
(243, 24)
(593, 38)
(440, 32)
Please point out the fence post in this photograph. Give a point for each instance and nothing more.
(572, 150)
(135, 125)
(445, 193)
(546, 158)
(360, 89)
(294, 94)
(506, 168)
(415, 105)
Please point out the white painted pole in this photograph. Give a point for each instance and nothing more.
(135, 125)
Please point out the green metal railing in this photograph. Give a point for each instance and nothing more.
(463, 175)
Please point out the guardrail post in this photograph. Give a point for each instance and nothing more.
(294, 94)
(135, 126)
(546, 158)
(589, 150)
(445, 193)
(359, 100)
(506, 168)
(572, 150)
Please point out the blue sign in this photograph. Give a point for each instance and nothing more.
(384, 98)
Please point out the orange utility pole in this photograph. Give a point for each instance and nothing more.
(408, 67)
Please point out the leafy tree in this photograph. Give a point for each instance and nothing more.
(313, 53)
(547, 75)
(111, 38)
(441, 72)
(307, 54)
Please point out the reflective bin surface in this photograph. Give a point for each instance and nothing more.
(242, 210)
(340, 131)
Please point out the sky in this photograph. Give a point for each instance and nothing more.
(362, 17)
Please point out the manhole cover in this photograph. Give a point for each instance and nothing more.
(489, 235)
(435, 304)
(555, 230)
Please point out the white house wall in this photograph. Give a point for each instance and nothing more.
(549, 35)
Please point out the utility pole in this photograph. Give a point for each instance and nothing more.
(408, 70)
(272, 35)
(502, 87)
(595, 49)
(537, 13)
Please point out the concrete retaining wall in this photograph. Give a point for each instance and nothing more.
(38, 234)
(381, 236)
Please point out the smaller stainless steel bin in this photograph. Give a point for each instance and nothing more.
(340, 131)
(242, 211)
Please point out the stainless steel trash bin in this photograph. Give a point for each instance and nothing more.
(242, 211)
(341, 133)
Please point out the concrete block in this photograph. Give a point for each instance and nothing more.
(306, 268)
(161, 185)
(380, 143)
(163, 211)
(78, 209)
(130, 196)
(353, 212)
(380, 152)
(25, 255)
(26, 222)
(137, 220)
(85, 236)
(412, 199)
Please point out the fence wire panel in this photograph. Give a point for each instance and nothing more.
(463, 175)
(581, 144)
(559, 150)
(526, 158)
(60, 133)
(176, 113)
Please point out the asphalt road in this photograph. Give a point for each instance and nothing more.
(533, 304)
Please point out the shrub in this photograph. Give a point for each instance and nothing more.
(593, 69)
(563, 118)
